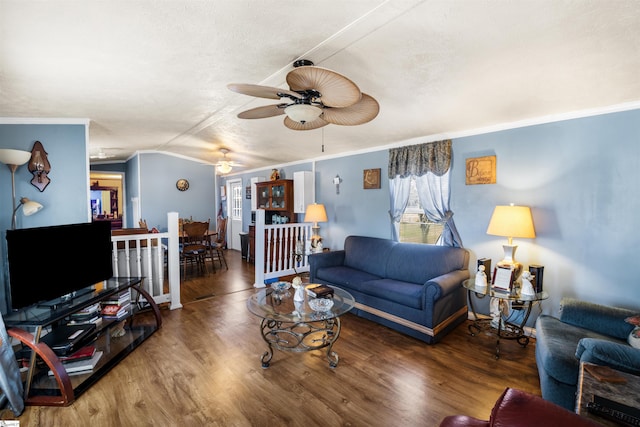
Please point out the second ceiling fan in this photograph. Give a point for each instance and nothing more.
(316, 97)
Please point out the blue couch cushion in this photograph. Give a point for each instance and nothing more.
(368, 254)
(618, 355)
(405, 293)
(345, 276)
(596, 317)
(556, 343)
(417, 263)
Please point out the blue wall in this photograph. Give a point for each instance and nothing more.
(65, 199)
(158, 194)
(151, 177)
(354, 211)
(579, 176)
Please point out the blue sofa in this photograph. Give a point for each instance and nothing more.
(585, 332)
(412, 288)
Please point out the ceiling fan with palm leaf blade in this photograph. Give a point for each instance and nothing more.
(316, 97)
(224, 166)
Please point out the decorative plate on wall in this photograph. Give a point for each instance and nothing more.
(182, 184)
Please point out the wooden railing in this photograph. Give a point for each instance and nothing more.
(147, 255)
(280, 248)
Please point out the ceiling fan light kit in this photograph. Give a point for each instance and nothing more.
(316, 97)
(302, 113)
(225, 166)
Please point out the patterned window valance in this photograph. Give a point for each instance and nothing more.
(434, 157)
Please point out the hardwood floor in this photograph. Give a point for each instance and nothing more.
(202, 368)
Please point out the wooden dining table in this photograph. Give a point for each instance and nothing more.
(209, 234)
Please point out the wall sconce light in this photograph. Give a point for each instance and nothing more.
(337, 180)
(39, 166)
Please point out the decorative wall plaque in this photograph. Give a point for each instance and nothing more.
(481, 170)
(371, 179)
(39, 166)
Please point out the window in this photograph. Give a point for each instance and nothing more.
(414, 225)
(236, 201)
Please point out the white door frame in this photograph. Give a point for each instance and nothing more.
(234, 227)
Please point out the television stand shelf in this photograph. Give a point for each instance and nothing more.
(61, 388)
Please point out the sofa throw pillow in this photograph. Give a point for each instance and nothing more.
(634, 336)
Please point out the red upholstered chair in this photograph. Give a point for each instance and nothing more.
(516, 408)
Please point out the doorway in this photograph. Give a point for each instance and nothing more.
(234, 209)
(107, 198)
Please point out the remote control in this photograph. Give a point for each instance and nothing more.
(614, 411)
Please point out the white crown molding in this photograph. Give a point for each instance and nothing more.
(43, 121)
(167, 153)
(552, 118)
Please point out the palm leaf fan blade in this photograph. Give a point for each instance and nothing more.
(335, 89)
(362, 112)
(262, 91)
(262, 112)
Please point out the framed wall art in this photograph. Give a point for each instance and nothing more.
(481, 170)
(371, 179)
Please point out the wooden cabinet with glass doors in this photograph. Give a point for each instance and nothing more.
(276, 198)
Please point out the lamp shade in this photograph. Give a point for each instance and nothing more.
(512, 221)
(302, 113)
(14, 157)
(315, 213)
(224, 167)
(29, 207)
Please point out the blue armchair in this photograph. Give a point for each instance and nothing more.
(585, 332)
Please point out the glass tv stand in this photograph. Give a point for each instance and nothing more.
(45, 378)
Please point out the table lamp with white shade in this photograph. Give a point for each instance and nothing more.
(511, 221)
(316, 213)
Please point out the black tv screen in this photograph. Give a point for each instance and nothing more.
(49, 262)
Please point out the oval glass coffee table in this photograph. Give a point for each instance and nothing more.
(290, 325)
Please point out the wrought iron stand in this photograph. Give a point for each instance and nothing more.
(301, 337)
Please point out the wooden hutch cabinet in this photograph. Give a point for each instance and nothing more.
(276, 198)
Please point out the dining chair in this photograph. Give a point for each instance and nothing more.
(219, 244)
(143, 224)
(194, 245)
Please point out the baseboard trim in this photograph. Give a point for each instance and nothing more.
(409, 324)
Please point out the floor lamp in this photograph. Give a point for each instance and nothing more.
(29, 207)
(13, 159)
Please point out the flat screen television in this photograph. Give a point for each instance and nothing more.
(46, 263)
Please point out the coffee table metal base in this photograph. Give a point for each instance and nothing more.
(300, 337)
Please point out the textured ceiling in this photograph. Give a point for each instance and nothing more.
(153, 75)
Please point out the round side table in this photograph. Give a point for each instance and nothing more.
(503, 327)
